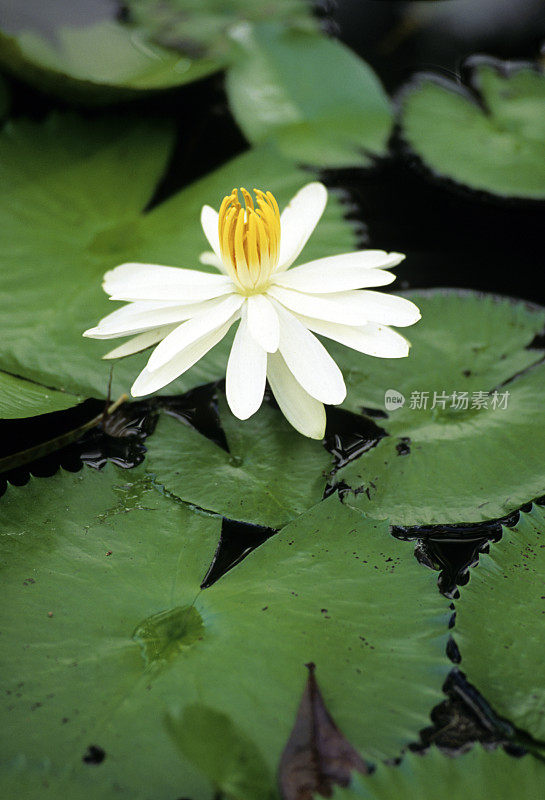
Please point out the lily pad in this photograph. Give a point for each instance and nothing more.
(20, 398)
(479, 774)
(487, 135)
(38, 780)
(74, 209)
(268, 477)
(311, 95)
(88, 54)
(209, 27)
(104, 630)
(499, 624)
(449, 463)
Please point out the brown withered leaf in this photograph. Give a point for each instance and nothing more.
(317, 756)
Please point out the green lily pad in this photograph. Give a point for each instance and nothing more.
(452, 464)
(38, 780)
(209, 27)
(499, 623)
(268, 477)
(20, 398)
(95, 58)
(104, 631)
(311, 95)
(488, 135)
(477, 774)
(74, 209)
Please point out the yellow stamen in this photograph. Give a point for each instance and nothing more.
(250, 238)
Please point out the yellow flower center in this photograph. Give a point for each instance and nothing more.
(250, 238)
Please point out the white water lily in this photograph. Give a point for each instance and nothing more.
(185, 312)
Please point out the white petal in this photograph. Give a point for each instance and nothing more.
(142, 316)
(212, 260)
(246, 373)
(355, 307)
(149, 382)
(298, 220)
(372, 339)
(191, 331)
(306, 414)
(209, 222)
(309, 361)
(340, 273)
(366, 259)
(389, 309)
(155, 282)
(343, 307)
(140, 342)
(263, 322)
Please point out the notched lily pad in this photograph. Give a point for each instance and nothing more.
(466, 442)
(124, 558)
(315, 99)
(500, 618)
(487, 134)
(268, 476)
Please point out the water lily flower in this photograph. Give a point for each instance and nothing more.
(279, 308)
